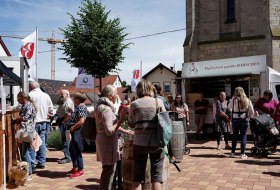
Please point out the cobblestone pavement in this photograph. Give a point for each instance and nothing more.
(204, 168)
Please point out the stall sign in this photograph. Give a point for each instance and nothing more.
(225, 67)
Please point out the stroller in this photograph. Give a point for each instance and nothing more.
(265, 135)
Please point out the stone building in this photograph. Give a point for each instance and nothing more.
(230, 43)
(224, 29)
(220, 29)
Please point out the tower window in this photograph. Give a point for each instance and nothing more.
(230, 11)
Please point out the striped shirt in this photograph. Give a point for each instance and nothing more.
(141, 115)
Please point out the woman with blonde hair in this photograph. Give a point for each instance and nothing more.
(107, 127)
(242, 109)
(141, 118)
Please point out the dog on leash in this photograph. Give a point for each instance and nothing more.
(19, 173)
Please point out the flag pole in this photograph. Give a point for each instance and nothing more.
(141, 70)
(3, 101)
(36, 54)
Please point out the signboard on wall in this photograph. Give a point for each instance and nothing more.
(225, 67)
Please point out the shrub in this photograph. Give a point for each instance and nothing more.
(54, 140)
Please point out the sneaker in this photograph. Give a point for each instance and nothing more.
(60, 159)
(40, 166)
(218, 147)
(72, 171)
(29, 178)
(232, 155)
(243, 156)
(78, 173)
(64, 161)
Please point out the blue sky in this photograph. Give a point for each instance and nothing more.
(21, 17)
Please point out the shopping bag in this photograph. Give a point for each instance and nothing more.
(88, 130)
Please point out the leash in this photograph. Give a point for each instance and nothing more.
(170, 160)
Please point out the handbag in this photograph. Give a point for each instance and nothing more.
(164, 131)
(88, 130)
(163, 126)
(26, 132)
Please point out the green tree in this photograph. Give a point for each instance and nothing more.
(93, 40)
(124, 83)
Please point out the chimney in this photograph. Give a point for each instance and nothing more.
(179, 73)
(172, 68)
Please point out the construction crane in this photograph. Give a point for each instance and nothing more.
(51, 41)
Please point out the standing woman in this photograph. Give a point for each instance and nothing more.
(222, 120)
(183, 114)
(141, 118)
(26, 114)
(242, 109)
(107, 126)
(76, 144)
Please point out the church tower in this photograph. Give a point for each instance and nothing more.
(222, 29)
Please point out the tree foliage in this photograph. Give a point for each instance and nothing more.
(93, 40)
(124, 83)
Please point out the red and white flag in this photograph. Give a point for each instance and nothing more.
(28, 50)
(135, 79)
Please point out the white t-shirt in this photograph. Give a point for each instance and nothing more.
(43, 104)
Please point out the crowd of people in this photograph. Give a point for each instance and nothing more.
(37, 108)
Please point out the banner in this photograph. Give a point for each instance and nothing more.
(84, 80)
(28, 50)
(225, 67)
(135, 79)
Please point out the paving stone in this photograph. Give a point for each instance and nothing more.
(204, 168)
(260, 187)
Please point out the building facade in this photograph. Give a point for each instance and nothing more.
(221, 30)
(232, 28)
(230, 43)
(164, 77)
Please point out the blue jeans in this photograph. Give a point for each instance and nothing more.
(76, 155)
(28, 155)
(66, 145)
(185, 130)
(66, 151)
(239, 125)
(48, 127)
(41, 154)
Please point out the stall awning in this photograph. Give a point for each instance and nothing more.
(9, 78)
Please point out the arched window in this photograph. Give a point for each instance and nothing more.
(230, 11)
